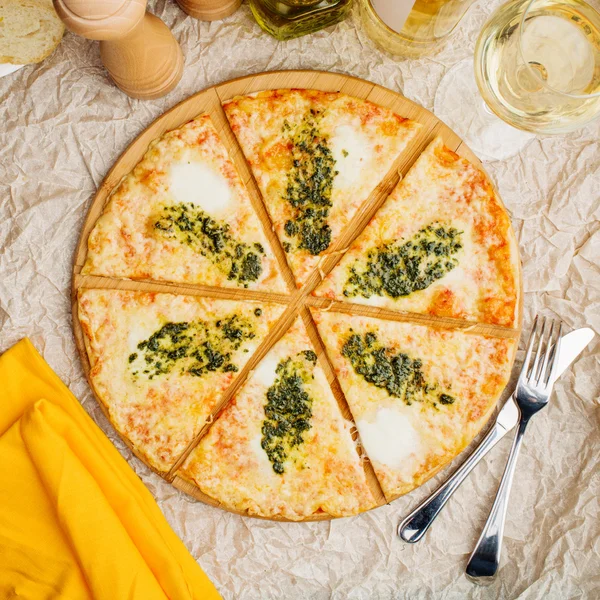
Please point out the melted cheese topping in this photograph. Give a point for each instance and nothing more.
(443, 188)
(262, 460)
(322, 474)
(159, 414)
(187, 167)
(364, 140)
(139, 331)
(409, 442)
(195, 183)
(390, 437)
(352, 151)
(265, 373)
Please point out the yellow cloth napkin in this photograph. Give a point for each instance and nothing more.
(75, 520)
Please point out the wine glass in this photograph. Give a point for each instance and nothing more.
(537, 67)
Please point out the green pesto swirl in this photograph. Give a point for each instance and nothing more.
(193, 227)
(288, 409)
(396, 372)
(309, 187)
(400, 268)
(193, 348)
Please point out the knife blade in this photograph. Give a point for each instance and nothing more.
(414, 526)
(572, 345)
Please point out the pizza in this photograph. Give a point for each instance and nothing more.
(282, 448)
(317, 157)
(419, 318)
(442, 244)
(418, 394)
(160, 362)
(183, 215)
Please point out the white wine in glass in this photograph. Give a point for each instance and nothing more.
(411, 28)
(537, 64)
(537, 67)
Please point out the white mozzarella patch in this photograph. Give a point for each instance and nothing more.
(261, 456)
(139, 332)
(352, 151)
(265, 373)
(196, 183)
(389, 439)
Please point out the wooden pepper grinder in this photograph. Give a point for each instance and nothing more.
(209, 10)
(138, 49)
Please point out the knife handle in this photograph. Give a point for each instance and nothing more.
(413, 527)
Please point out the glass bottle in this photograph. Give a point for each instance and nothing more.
(411, 27)
(286, 19)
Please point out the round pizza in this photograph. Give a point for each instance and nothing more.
(318, 403)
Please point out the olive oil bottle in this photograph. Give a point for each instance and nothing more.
(286, 19)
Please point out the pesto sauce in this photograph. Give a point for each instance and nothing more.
(397, 270)
(194, 348)
(309, 187)
(288, 408)
(193, 227)
(396, 372)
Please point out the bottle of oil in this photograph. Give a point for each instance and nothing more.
(286, 19)
(411, 27)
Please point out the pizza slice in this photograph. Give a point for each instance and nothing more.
(418, 394)
(442, 244)
(316, 157)
(183, 215)
(160, 362)
(282, 448)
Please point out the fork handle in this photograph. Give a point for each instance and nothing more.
(415, 525)
(485, 559)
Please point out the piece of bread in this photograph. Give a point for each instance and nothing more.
(30, 30)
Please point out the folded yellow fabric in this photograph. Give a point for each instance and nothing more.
(75, 520)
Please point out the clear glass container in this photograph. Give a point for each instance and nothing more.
(286, 19)
(537, 68)
(411, 27)
(537, 64)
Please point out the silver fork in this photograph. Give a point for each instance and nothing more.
(532, 394)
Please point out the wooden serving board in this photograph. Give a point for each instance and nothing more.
(297, 301)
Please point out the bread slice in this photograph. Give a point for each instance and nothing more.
(30, 30)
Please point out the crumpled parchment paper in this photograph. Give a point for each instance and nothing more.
(63, 124)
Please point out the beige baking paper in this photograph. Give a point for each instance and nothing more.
(63, 124)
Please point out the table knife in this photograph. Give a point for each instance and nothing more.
(414, 526)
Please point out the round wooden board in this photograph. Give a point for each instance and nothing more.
(297, 301)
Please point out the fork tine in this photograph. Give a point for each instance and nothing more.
(533, 375)
(542, 374)
(525, 367)
(554, 363)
